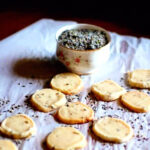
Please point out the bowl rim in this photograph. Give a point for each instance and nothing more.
(82, 26)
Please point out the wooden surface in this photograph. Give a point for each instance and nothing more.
(13, 21)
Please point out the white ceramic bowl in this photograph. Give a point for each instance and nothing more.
(82, 61)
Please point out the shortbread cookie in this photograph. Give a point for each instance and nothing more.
(48, 99)
(65, 138)
(68, 83)
(76, 112)
(107, 90)
(113, 130)
(7, 145)
(139, 78)
(18, 126)
(136, 101)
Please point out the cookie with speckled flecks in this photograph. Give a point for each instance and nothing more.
(139, 78)
(107, 90)
(136, 101)
(75, 112)
(65, 138)
(18, 126)
(112, 130)
(7, 145)
(68, 83)
(46, 100)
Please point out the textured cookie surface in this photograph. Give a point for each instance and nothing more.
(76, 112)
(113, 130)
(139, 78)
(136, 101)
(65, 138)
(107, 90)
(68, 83)
(7, 145)
(47, 99)
(18, 126)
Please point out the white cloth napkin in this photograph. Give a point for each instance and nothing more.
(27, 64)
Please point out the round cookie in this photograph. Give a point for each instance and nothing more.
(68, 83)
(136, 101)
(7, 145)
(107, 90)
(75, 112)
(18, 126)
(113, 130)
(46, 100)
(139, 78)
(65, 138)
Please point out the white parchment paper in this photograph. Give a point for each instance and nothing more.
(27, 63)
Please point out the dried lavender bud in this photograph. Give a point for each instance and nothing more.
(83, 39)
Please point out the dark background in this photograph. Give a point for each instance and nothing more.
(124, 17)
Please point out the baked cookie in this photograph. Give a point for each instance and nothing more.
(18, 126)
(7, 145)
(112, 130)
(136, 101)
(46, 100)
(68, 83)
(65, 138)
(139, 78)
(107, 90)
(73, 113)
